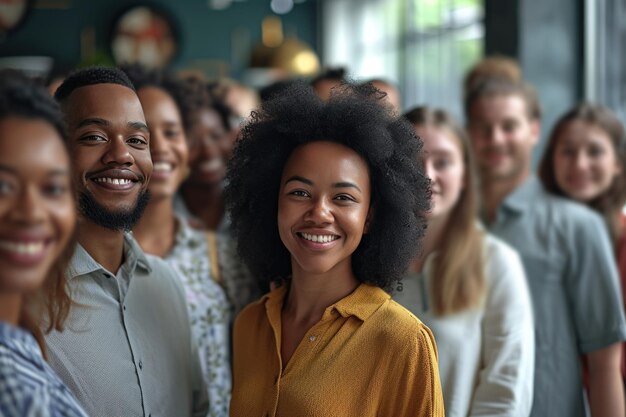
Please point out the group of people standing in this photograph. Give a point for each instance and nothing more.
(409, 266)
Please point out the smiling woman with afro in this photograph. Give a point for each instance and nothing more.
(327, 200)
(354, 118)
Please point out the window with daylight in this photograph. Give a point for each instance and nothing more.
(605, 37)
(423, 46)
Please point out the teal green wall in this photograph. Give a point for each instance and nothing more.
(205, 33)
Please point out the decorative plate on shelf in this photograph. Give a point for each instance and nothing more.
(12, 14)
(144, 35)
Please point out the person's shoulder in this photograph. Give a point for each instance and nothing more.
(494, 247)
(396, 324)
(160, 268)
(164, 276)
(251, 315)
(253, 309)
(17, 371)
(499, 256)
(568, 210)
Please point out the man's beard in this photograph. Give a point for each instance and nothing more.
(122, 220)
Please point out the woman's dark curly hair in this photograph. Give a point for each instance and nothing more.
(180, 91)
(354, 118)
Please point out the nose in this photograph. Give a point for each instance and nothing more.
(319, 212)
(117, 152)
(157, 142)
(581, 161)
(28, 208)
(430, 170)
(495, 135)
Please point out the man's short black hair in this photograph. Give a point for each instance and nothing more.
(353, 117)
(22, 97)
(90, 76)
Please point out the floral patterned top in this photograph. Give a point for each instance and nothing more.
(209, 311)
(241, 287)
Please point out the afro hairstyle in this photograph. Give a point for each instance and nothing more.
(354, 117)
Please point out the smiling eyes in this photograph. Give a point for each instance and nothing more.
(136, 141)
(54, 189)
(302, 194)
(172, 133)
(592, 151)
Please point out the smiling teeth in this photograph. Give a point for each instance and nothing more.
(162, 167)
(319, 238)
(116, 181)
(23, 248)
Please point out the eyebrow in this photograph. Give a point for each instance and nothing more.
(93, 121)
(106, 123)
(139, 126)
(343, 184)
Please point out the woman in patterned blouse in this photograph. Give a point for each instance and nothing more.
(37, 220)
(160, 232)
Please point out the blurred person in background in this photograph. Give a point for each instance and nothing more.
(468, 287)
(392, 94)
(269, 91)
(162, 233)
(241, 100)
(585, 160)
(492, 67)
(200, 197)
(324, 83)
(127, 348)
(37, 221)
(566, 253)
(327, 197)
(210, 148)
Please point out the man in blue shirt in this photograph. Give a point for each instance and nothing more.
(565, 249)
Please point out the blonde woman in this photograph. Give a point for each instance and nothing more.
(468, 287)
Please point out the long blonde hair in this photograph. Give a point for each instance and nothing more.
(458, 268)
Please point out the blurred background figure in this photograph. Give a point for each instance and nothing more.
(497, 66)
(37, 221)
(210, 147)
(392, 94)
(467, 286)
(162, 233)
(324, 83)
(241, 100)
(585, 161)
(566, 253)
(200, 200)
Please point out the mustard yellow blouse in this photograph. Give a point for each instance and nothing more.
(367, 356)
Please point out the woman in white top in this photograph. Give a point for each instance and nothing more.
(468, 287)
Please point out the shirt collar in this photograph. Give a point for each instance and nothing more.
(362, 302)
(21, 342)
(82, 263)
